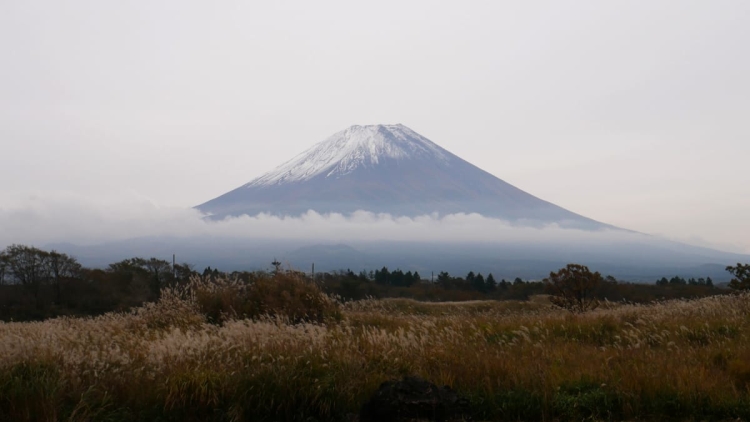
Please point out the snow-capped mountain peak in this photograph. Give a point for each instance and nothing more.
(386, 169)
(352, 148)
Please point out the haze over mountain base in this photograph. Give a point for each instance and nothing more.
(101, 231)
(637, 262)
(455, 243)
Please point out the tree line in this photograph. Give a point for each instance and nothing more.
(676, 280)
(383, 283)
(38, 284)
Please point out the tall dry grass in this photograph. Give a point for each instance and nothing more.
(513, 360)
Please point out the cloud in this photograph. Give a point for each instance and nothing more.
(66, 217)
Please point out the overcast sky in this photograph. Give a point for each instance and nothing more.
(633, 113)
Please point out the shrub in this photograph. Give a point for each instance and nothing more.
(284, 295)
(175, 308)
(572, 288)
(741, 280)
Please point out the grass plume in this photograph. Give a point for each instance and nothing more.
(514, 361)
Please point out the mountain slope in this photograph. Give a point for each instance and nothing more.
(387, 169)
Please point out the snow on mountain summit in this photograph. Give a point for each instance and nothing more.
(386, 169)
(352, 148)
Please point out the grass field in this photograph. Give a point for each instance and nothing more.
(680, 360)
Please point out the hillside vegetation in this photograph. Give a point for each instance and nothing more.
(36, 285)
(189, 357)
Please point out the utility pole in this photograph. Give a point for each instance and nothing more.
(174, 267)
(313, 272)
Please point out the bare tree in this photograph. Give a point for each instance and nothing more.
(184, 271)
(61, 266)
(3, 267)
(27, 266)
(161, 272)
(157, 273)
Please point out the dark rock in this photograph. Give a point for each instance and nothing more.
(414, 398)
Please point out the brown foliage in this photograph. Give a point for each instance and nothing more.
(572, 288)
(672, 360)
(285, 295)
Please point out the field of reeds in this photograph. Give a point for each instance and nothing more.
(513, 360)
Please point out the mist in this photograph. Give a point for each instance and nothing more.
(71, 218)
(105, 229)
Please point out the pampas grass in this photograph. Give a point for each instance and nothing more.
(513, 360)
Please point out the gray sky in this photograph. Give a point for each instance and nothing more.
(633, 113)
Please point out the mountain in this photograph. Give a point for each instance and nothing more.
(391, 169)
(387, 169)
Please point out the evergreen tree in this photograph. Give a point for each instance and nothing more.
(397, 278)
(677, 280)
(479, 284)
(445, 280)
(491, 284)
(408, 279)
(382, 276)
